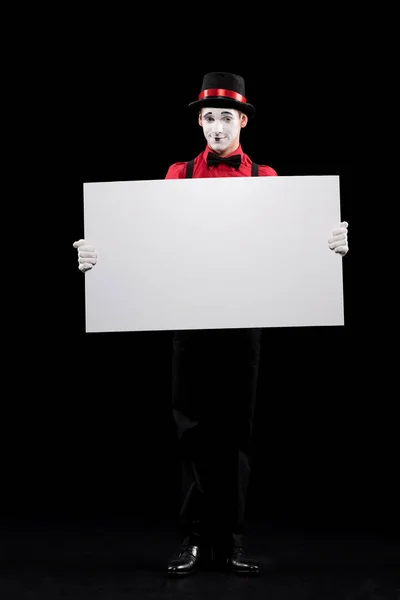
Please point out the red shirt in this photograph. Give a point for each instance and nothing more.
(201, 169)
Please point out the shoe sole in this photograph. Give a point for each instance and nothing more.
(252, 573)
(181, 574)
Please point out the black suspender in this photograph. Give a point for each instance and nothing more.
(189, 169)
(190, 165)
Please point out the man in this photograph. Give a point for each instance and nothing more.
(214, 372)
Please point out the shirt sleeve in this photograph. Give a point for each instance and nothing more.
(265, 171)
(177, 171)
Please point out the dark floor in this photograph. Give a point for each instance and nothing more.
(126, 561)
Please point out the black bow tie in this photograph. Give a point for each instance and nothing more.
(234, 161)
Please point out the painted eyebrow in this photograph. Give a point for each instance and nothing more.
(225, 112)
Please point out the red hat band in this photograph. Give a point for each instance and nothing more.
(212, 92)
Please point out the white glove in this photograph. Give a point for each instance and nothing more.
(338, 242)
(87, 255)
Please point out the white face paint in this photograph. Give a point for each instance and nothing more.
(221, 127)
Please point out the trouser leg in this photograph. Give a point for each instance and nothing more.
(214, 394)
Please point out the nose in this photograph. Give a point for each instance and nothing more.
(217, 127)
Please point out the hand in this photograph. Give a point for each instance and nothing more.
(338, 242)
(87, 255)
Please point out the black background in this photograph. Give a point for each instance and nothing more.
(90, 432)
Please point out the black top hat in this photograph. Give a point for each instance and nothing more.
(224, 89)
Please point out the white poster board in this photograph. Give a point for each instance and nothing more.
(213, 253)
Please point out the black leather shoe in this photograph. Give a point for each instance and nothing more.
(186, 561)
(240, 562)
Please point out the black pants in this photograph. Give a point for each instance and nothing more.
(214, 383)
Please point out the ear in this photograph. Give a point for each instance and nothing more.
(243, 120)
(200, 120)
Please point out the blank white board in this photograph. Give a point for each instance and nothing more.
(214, 253)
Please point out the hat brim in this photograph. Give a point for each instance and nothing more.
(246, 108)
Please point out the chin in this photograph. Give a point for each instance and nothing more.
(219, 147)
